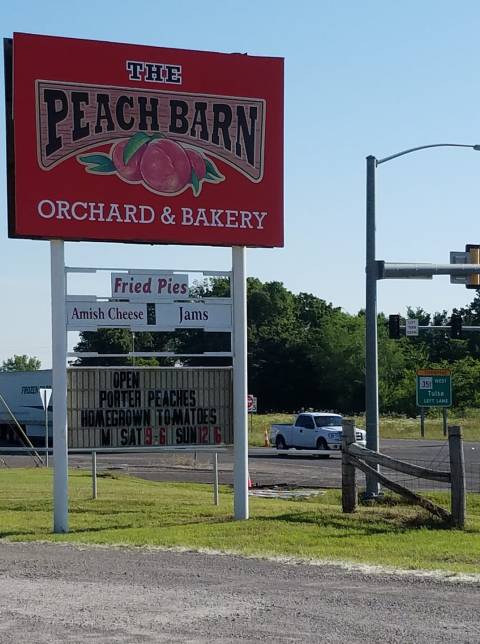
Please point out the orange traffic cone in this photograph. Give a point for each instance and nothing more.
(250, 484)
(266, 442)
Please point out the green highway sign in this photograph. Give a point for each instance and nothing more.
(434, 388)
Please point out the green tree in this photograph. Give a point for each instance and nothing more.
(284, 341)
(339, 362)
(466, 383)
(21, 363)
(434, 344)
(304, 352)
(471, 317)
(122, 341)
(200, 341)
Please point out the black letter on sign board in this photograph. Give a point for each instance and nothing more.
(57, 110)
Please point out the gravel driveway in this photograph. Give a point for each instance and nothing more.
(57, 593)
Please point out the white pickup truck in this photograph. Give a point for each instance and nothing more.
(313, 430)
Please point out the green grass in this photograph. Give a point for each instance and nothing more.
(390, 426)
(143, 513)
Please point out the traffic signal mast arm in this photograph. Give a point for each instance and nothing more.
(412, 327)
(390, 270)
(455, 327)
(444, 327)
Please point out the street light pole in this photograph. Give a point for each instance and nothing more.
(371, 345)
(371, 351)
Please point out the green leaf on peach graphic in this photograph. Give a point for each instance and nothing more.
(212, 173)
(135, 143)
(195, 183)
(98, 163)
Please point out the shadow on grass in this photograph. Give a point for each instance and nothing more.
(4, 534)
(366, 525)
(106, 511)
(104, 528)
(151, 524)
(27, 507)
(427, 521)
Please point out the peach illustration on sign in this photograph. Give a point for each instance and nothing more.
(165, 166)
(161, 165)
(198, 163)
(129, 171)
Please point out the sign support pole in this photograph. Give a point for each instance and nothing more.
(240, 389)
(45, 403)
(59, 387)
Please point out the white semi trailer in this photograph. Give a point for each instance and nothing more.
(20, 391)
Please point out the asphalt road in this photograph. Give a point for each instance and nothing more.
(56, 593)
(268, 467)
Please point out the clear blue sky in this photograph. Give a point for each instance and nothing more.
(370, 77)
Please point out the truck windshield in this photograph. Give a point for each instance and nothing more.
(328, 421)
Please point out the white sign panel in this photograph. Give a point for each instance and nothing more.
(411, 327)
(45, 395)
(151, 286)
(208, 316)
(88, 314)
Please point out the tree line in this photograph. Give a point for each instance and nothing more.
(305, 352)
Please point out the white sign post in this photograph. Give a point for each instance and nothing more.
(45, 395)
(240, 389)
(59, 386)
(150, 309)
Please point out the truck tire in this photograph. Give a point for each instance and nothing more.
(280, 443)
(322, 444)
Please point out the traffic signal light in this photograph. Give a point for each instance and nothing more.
(394, 326)
(473, 281)
(456, 326)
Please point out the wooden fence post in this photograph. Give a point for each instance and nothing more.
(457, 469)
(349, 485)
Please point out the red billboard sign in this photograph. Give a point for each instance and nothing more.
(128, 143)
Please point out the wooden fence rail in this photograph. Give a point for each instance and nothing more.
(400, 466)
(355, 456)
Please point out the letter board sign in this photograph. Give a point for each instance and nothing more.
(130, 143)
(148, 407)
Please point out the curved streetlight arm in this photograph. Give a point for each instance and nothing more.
(423, 147)
(371, 345)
